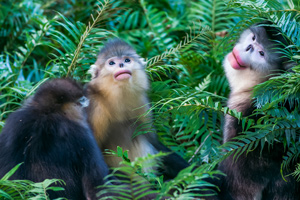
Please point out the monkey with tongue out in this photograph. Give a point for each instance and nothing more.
(254, 175)
(118, 102)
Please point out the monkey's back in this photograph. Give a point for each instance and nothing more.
(49, 145)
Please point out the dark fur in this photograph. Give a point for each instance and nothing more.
(256, 175)
(52, 145)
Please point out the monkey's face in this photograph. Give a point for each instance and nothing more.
(121, 68)
(251, 52)
(125, 72)
(249, 62)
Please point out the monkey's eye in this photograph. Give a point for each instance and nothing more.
(253, 38)
(127, 60)
(261, 53)
(112, 63)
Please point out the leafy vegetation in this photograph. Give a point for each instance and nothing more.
(184, 43)
(24, 189)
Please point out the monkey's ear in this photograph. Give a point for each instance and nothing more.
(93, 71)
(144, 63)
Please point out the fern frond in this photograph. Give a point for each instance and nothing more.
(190, 183)
(188, 39)
(91, 25)
(212, 14)
(131, 179)
(291, 158)
(24, 189)
(296, 173)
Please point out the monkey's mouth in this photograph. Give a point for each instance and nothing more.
(122, 74)
(235, 61)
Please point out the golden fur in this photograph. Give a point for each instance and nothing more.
(116, 103)
(74, 112)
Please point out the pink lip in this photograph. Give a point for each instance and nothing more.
(124, 71)
(235, 60)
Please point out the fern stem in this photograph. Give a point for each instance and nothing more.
(198, 149)
(36, 43)
(45, 191)
(86, 34)
(213, 16)
(287, 10)
(202, 106)
(188, 39)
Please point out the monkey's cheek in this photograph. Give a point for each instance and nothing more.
(122, 77)
(233, 62)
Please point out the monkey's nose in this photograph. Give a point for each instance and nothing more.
(121, 65)
(250, 47)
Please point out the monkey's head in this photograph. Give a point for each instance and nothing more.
(256, 55)
(118, 64)
(60, 95)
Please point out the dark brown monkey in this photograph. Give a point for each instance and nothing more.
(118, 102)
(255, 175)
(51, 137)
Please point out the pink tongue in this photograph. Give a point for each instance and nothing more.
(123, 76)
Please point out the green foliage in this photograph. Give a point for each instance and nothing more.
(24, 189)
(137, 177)
(184, 43)
(187, 183)
(139, 180)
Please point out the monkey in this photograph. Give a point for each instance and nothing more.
(256, 174)
(118, 103)
(51, 137)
